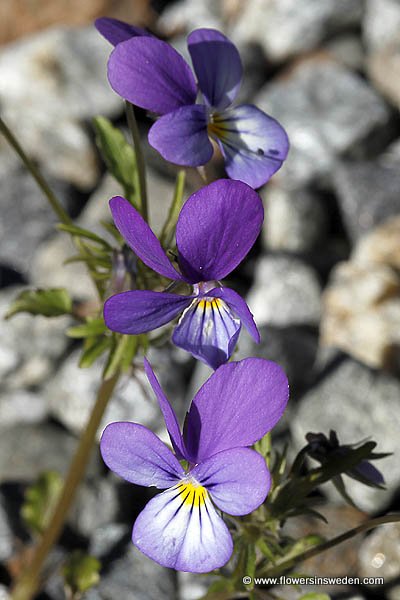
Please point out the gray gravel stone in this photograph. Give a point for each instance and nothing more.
(381, 23)
(6, 534)
(28, 450)
(63, 70)
(379, 554)
(135, 577)
(367, 192)
(23, 364)
(357, 403)
(96, 505)
(285, 28)
(295, 221)
(326, 110)
(285, 292)
(23, 203)
(71, 393)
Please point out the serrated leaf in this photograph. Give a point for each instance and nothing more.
(118, 155)
(40, 500)
(92, 327)
(81, 572)
(52, 302)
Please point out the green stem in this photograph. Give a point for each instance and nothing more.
(285, 565)
(36, 174)
(168, 231)
(27, 586)
(142, 192)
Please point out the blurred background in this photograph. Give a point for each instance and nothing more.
(323, 281)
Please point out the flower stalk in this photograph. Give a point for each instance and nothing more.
(141, 169)
(27, 586)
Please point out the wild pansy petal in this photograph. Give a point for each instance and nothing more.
(137, 455)
(239, 306)
(151, 74)
(208, 330)
(140, 237)
(217, 65)
(181, 136)
(116, 31)
(139, 311)
(254, 145)
(181, 529)
(237, 480)
(236, 406)
(216, 228)
(170, 419)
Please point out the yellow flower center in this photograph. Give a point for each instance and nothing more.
(206, 303)
(217, 127)
(192, 494)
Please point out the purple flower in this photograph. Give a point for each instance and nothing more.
(151, 74)
(216, 228)
(181, 528)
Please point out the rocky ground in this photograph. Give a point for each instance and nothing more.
(323, 282)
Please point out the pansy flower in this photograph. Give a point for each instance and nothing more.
(151, 74)
(216, 228)
(181, 528)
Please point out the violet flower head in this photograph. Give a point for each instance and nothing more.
(151, 74)
(181, 528)
(216, 228)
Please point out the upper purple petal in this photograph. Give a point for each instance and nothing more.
(217, 65)
(151, 74)
(116, 31)
(140, 237)
(236, 406)
(238, 480)
(254, 145)
(181, 136)
(216, 228)
(239, 306)
(139, 311)
(136, 454)
(170, 419)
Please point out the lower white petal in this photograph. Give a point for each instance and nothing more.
(181, 529)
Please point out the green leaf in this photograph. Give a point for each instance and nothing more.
(92, 327)
(118, 155)
(315, 596)
(49, 303)
(121, 355)
(81, 572)
(40, 501)
(94, 349)
(83, 233)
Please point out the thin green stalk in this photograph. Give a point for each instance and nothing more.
(26, 587)
(36, 174)
(167, 234)
(285, 565)
(142, 192)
